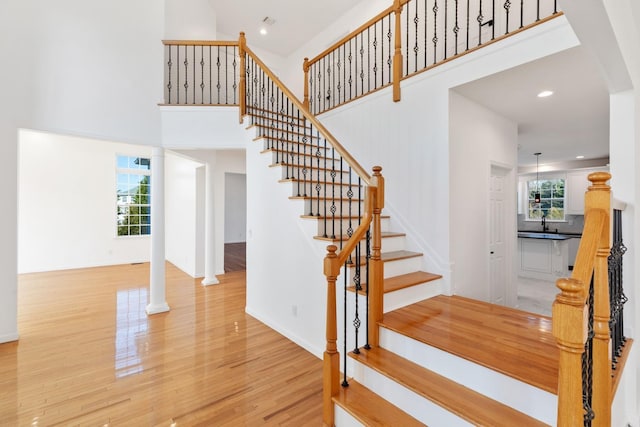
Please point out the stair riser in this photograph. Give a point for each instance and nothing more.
(314, 206)
(410, 402)
(341, 226)
(308, 187)
(523, 397)
(298, 172)
(343, 419)
(407, 296)
(290, 156)
(396, 267)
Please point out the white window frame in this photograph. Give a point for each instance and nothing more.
(127, 175)
(530, 186)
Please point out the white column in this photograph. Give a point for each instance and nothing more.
(157, 291)
(209, 227)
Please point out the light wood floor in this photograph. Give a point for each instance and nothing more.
(88, 355)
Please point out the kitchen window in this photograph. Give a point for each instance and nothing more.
(552, 199)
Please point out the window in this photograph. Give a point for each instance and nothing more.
(133, 196)
(551, 199)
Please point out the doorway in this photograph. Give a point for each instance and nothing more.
(499, 255)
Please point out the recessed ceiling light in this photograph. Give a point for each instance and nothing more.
(545, 93)
(579, 157)
(263, 31)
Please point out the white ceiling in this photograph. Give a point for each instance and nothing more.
(296, 21)
(573, 121)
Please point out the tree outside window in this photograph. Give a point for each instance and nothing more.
(133, 196)
(551, 199)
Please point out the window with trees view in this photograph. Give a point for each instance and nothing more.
(133, 196)
(551, 199)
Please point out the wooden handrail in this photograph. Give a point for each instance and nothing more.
(358, 169)
(199, 43)
(570, 313)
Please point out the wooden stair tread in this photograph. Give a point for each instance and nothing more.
(398, 255)
(344, 238)
(456, 398)
(396, 283)
(371, 409)
(513, 342)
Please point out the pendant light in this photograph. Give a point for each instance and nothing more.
(536, 196)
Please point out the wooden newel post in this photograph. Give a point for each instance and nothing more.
(376, 276)
(570, 317)
(397, 57)
(331, 359)
(242, 87)
(305, 68)
(599, 197)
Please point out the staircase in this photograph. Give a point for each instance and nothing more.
(436, 361)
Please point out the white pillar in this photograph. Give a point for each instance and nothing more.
(157, 291)
(209, 227)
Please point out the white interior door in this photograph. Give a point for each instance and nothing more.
(497, 227)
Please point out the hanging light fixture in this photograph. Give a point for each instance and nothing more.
(536, 196)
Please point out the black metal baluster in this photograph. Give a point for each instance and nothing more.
(202, 86)
(406, 53)
(361, 66)
(318, 186)
(328, 86)
(521, 13)
(178, 73)
(416, 49)
(555, 6)
(456, 29)
(339, 86)
(480, 19)
(344, 72)
(467, 48)
(186, 75)
(375, 57)
(324, 186)
(226, 75)
(537, 10)
(324, 83)
(366, 280)
(297, 169)
(342, 219)
(617, 298)
(507, 6)
(235, 83)
(169, 64)
(210, 78)
(368, 60)
(587, 364)
(218, 85)
(350, 70)
(319, 67)
(358, 287)
(333, 193)
(389, 60)
(333, 77)
(435, 30)
(382, 52)
(446, 27)
(345, 383)
(194, 75)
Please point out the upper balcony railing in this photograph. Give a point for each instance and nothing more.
(410, 37)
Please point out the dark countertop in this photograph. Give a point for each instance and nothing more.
(547, 235)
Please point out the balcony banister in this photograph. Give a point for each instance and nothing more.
(200, 43)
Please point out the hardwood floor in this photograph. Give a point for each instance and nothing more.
(89, 355)
(235, 257)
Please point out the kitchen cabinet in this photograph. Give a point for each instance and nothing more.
(543, 259)
(576, 185)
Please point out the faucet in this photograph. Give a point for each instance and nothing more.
(545, 227)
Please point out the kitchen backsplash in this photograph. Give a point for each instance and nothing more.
(573, 224)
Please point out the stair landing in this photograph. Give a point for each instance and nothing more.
(513, 342)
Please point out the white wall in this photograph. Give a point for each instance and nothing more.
(235, 207)
(182, 201)
(478, 138)
(192, 20)
(67, 204)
